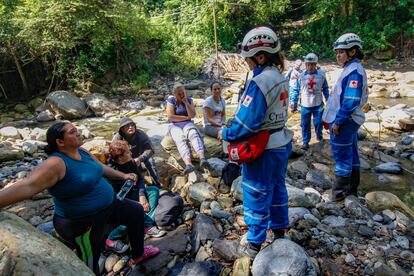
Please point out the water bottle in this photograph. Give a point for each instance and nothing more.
(125, 189)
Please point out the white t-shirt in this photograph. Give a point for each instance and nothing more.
(217, 109)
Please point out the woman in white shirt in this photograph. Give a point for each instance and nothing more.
(214, 111)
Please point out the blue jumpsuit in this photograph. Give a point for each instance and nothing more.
(311, 87)
(265, 198)
(292, 76)
(350, 94)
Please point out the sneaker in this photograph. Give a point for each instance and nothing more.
(305, 146)
(188, 168)
(247, 249)
(154, 232)
(149, 252)
(116, 245)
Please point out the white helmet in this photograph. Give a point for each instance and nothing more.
(298, 63)
(260, 39)
(311, 58)
(347, 41)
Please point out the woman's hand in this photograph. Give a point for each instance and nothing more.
(335, 129)
(144, 202)
(131, 176)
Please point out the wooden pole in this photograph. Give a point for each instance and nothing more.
(215, 37)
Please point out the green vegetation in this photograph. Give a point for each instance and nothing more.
(130, 41)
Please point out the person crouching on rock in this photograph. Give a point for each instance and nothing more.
(141, 147)
(84, 200)
(121, 159)
(263, 107)
(311, 86)
(344, 114)
(214, 111)
(180, 112)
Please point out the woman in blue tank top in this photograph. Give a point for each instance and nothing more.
(84, 200)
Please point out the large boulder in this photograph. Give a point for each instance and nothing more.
(203, 229)
(99, 104)
(380, 200)
(9, 132)
(283, 257)
(26, 251)
(99, 148)
(67, 104)
(10, 154)
(298, 198)
(200, 192)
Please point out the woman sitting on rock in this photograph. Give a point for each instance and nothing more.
(214, 111)
(84, 200)
(180, 112)
(121, 157)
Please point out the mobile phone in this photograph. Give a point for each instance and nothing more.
(125, 189)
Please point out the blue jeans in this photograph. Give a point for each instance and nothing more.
(306, 114)
(265, 198)
(345, 148)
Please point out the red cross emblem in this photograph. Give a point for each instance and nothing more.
(311, 84)
(353, 84)
(283, 97)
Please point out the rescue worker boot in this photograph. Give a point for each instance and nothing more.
(340, 188)
(354, 183)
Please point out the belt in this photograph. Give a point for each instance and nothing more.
(271, 131)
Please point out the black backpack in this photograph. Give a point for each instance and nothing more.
(169, 209)
(230, 172)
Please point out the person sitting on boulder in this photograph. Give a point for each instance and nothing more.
(84, 200)
(180, 112)
(141, 147)
(148, 196)
(214, 111)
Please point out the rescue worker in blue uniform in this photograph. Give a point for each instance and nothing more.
(263, 106)
(344, 113)
(311, 85)
(292, 76)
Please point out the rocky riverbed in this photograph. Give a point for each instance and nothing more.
(369, 235)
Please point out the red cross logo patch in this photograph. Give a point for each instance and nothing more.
(234, 154)
(353, 84)
(247, 101)
(311, 84)
(283, 97)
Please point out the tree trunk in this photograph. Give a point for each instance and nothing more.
(20, 70)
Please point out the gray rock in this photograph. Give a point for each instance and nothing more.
(298, 169)
(188, 215)
(174, 243)
(45, 116)
(349, 258)
(67, 104)
(298, 198)
(321, 167)
(402, 218)
(394, 94)
(313, 195)
(9, 132)
(366, 231)
(334, 221)
(201, 255)
(10, 154)
(407, 140)
(408, 255)
(389, 167)
(388, 216)
(319, 179)
(207, 268)
(217, 211)
(296, 214)
(378, 218)
(283, 257)
(314, 220)
(38, 134)
(354, 207)
(23, 249)
(200, 192)
(225, 249)
(387, 178)
(236, 188)
(29, 147)
(99, 104)
(203, 229)
(216, 165)
(403, 242)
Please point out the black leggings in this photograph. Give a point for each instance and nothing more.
(87, 234)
